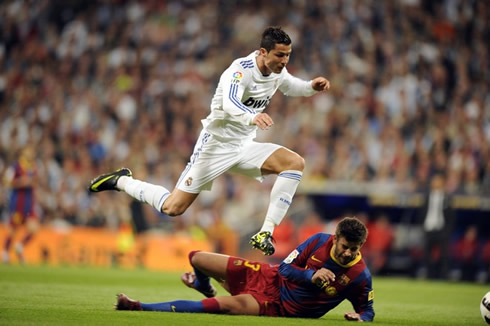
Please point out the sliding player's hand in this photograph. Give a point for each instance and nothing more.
(322, 277)
(263, 121)
(353, 316)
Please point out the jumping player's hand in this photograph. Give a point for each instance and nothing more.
(263, 121)
(320, 84)
(352, 316)
(322, 277)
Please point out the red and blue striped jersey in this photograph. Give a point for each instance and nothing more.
(300, 297)
(21, 201)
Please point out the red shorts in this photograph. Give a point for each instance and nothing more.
(17, 219)
(258, 279)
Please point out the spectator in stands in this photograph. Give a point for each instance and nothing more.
(484, 275)
(312, 224)
(378, 244)
(465, 253)
(437, 222)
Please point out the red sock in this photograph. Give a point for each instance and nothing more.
(191, 254)
(211, 305)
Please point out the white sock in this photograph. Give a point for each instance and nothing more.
(281, 197)
(144, 191)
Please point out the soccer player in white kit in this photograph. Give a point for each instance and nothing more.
(226, 142)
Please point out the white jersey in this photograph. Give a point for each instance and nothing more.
(242, 93)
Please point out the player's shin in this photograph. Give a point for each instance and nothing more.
(202, 281)
(210, 305)
(144, 191)
(281, 197)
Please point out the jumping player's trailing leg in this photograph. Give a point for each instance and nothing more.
(108, 181)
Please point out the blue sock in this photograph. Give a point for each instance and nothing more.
(202, 280)
(174, 306)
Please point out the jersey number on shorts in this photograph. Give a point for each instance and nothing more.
(255, 267)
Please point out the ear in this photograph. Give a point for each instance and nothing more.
(263, 51)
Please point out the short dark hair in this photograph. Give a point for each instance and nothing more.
(274, 35)
(352, 229)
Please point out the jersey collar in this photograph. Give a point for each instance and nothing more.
(352, 263)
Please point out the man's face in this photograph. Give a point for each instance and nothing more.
(276, 59)
(345, 251)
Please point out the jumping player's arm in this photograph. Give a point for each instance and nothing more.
(234, 81)
(293, 267)
(361, 296)
(294, 86)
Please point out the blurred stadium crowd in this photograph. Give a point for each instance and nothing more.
(96, 85)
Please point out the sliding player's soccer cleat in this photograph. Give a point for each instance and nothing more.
(125, 303)
(263, 242)
(189, 280)
(108, 181)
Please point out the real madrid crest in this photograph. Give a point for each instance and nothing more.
(188, 182)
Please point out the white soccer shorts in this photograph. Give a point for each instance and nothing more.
(211, 158)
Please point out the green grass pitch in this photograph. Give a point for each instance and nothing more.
(41, 295)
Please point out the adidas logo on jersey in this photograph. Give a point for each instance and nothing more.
(257, 104)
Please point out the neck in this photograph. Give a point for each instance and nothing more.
(261, 65)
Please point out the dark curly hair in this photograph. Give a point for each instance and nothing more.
(274, 35)
(352, 229)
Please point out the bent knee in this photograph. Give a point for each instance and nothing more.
(295, 162)
(196, 258)
(174, 209)
(242, 304)
(299, 164)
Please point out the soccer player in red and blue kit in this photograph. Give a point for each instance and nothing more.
(20, 177)
(318, 275)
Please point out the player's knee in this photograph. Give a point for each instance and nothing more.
(297, 163)
(195, 258)
(174, 209)
(230, 306)
(239, 305)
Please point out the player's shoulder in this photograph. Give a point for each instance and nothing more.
(319, 239)
(245, 63)
(360, 271)
(322, 236)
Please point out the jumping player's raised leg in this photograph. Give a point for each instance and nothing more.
(289, 167)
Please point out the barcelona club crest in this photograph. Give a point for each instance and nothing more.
(344, 279)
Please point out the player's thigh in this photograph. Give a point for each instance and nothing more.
(212, 264)
(242, 304)
(281, 160)
(252, 158)
(208, 162)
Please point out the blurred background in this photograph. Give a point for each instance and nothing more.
(402, 139)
